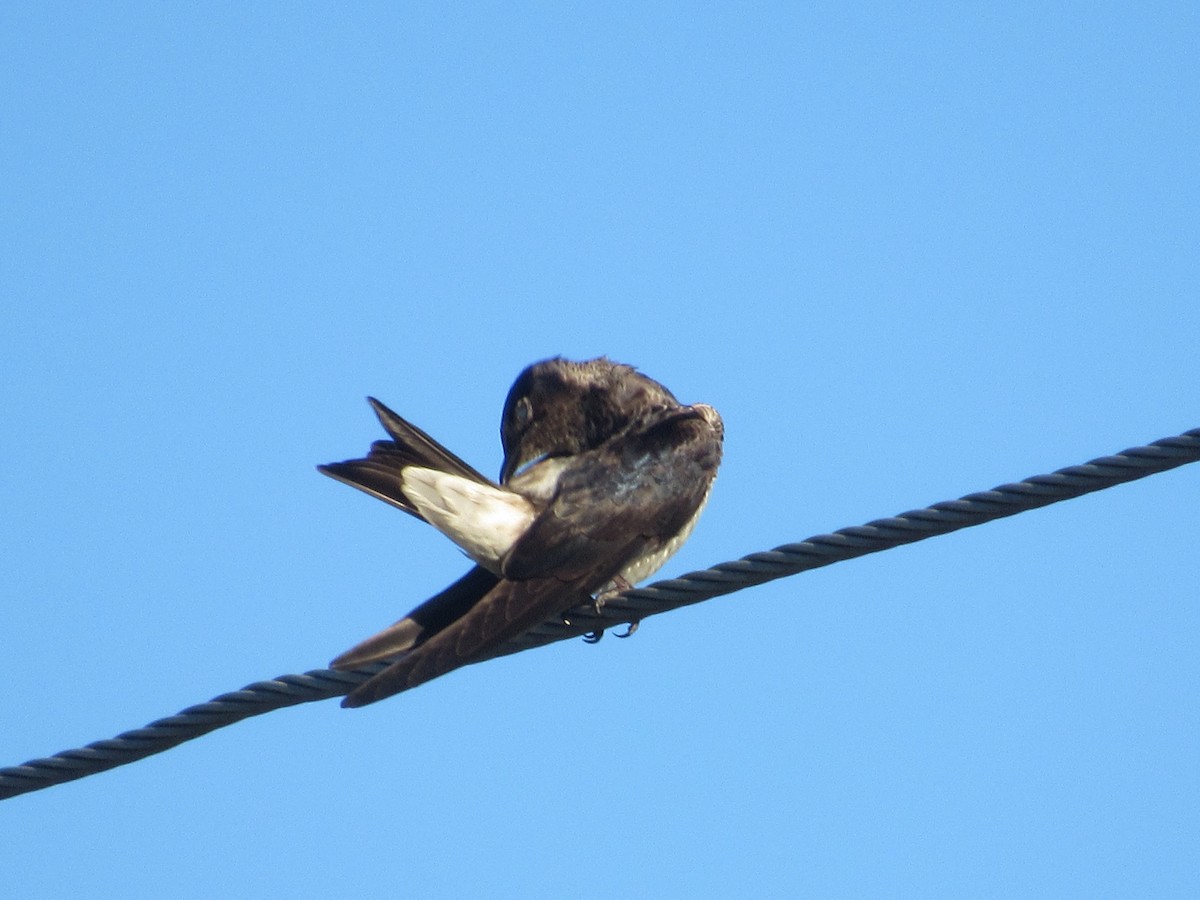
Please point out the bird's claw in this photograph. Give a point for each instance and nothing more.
(618, 585)
(633, 627)
(593, 637)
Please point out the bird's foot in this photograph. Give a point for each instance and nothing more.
(618, 585)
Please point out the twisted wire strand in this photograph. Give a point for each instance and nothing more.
(631, 606)
(859, 540)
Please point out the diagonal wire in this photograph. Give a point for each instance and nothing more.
(631, 606)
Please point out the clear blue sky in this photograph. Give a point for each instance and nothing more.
(907, 255)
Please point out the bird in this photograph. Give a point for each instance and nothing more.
(603, 478)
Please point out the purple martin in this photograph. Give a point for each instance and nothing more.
(604, 476)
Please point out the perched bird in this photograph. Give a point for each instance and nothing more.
(604, 476)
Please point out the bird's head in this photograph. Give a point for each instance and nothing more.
(559, 407)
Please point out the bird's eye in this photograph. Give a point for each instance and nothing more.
(522, 413)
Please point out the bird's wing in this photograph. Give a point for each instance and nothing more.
(379, 473)
(509, 609)
(633, 494)
(425, 450)
(485, 520)
(427, 619)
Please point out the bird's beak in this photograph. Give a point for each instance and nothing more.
(510, 466)
(517, 463)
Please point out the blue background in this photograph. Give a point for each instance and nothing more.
(908, 254)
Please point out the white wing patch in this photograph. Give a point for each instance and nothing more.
(482, 519)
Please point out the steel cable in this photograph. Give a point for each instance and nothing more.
(631, 606)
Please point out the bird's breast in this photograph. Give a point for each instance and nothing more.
(648, 563)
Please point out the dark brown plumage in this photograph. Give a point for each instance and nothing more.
(604, 475)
